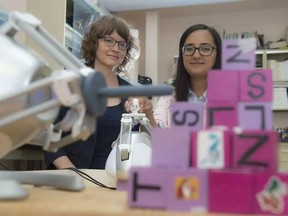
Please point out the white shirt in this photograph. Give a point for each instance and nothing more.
(193, 97)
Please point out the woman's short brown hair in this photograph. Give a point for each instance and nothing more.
(105, 25)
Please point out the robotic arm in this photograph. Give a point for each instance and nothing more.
(31, 94)
(131, 148)
(125, 136)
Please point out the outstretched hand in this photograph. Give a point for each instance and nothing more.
(145, 105)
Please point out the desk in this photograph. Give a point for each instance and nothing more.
(99, 175)
(94, 201)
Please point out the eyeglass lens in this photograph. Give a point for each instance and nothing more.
(203, 50)
(109, 41)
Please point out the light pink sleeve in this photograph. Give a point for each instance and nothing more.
(162, 110)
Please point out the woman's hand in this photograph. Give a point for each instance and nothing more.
(145, 105)
(63, 162)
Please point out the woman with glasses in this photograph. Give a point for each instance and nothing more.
(199, 52)
(106, 47)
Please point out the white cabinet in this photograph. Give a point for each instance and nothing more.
(276, 60)
(283, 156)
(79, 14)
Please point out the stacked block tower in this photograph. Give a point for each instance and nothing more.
(222, 158)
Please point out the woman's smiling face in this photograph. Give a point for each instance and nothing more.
(109, 56)
(198, 65)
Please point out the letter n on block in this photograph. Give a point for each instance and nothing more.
(231, 191)
(188, 115)
(221, 113)
(256, 85)
(171, 147)
(255, 115)
(146, 188)
(255, 149)
(271, 192)
(238, 54)
(223, 85)
(211, 149)
(187, 190)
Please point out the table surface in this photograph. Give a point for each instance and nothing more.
(93, 200)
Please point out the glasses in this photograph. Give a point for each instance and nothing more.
(111, 42)
(204, 50)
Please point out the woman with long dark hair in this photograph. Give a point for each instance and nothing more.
(199, 52)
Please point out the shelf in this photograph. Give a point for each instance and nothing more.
(280, 84)
(283, 144)
(80, 13)
(73, 39)
(3, 16)
(280, 109)
(272, 51)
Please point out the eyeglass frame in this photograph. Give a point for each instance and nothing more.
(198, 48)
(127, 45)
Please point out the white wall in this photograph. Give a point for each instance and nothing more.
(10, 5)
(265, 16)
(15, 5)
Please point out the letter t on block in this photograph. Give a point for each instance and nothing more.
(145, 187)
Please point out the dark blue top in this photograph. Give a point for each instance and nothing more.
(93, 153)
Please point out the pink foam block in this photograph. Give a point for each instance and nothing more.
(211, 149)
(121, 185)
(238, 54)
(221, 113)
(171, 147)
(187, 190)
(255, 149)
(271, 194)
(256, 85)
(146, 188)
(231, 191)
(255, 115)
(223, 85)
(185, 114)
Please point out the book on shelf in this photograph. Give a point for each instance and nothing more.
(281, 43)
(279, 69)
(280, 98)
(277, 44)
(284, 70)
